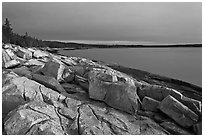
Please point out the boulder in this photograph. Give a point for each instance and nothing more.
(23, 72)
(34, 62)
(159, 93)
(10, 52)
(11, 64)
(49, 82)
(40, 54)
(31, 49)
(117, 93)
(58, 71)
(24, 53)
(33, 118)
(178, 112)
(78, 70)
(174, 129)
(67, 75)
(150, 104)
(5, 56)
(7, 46)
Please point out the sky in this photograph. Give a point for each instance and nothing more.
(149, 22)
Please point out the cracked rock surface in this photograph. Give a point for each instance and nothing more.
(47, 94)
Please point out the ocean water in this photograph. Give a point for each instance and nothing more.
(179, 63)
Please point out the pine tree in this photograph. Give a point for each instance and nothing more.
(7, 31)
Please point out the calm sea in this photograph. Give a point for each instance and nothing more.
(179, 63)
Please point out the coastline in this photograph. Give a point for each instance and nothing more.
(86, 94)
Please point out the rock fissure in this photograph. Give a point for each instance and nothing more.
(29, 107)
(56, 111)
(78, 119)
(43, 121)
(94, 113)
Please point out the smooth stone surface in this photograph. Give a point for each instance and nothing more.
(49, 82)
(150, 104)
(178, 112)
(40, 54)
(23, 72)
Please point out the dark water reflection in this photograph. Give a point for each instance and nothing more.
(179, 63)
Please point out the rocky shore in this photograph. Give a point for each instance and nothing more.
(49, 94)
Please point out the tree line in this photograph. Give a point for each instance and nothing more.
(8, 36)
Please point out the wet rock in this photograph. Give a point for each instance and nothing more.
(150, 104)
(118, 94)
(197, 128)
(49, 82)
(159, 93)
(175, 129)
(33, 118)
(178, 112)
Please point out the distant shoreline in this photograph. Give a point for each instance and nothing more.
(54, 46)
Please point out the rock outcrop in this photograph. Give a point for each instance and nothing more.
(47, 94)
(115, 89)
